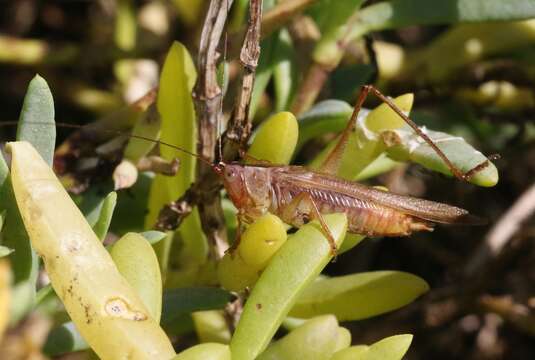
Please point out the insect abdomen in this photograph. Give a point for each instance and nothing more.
(364, 217)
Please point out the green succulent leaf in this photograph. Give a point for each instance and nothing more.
(334, 27)
(131, 210)
(404, 145)
(178, 127)
(136, 261)
(390, 348)
(153, 236)
(317, 338)
(377, 167)
(402, 13)
(264, 70)
(181, 301)
(36, 123)
(297, 263)
(364, 146)
(148, 125)
(106, 212)
(467, 43)
(324, 117)
(284, 72)
(383, 131)
(206, 351)
(276, 139)
(64, 339)
(359, 296)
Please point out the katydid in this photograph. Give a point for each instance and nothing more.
(298, 195)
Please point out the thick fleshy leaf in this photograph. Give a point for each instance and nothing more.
(131, 209)
(23, 299)
(36, 125)
(297, 263)
(176, 109)
(315, 339)
(350, 242)
(467, 43)
(284, 72)
(276, 139)
(106, 212)
(106, 310)
(238, 15)
(153, 236)
(266, 63)
(390, 348)
(334, 28)
(136, 261)
(359, 296)
(64, 339)
(36, 122)
(402, 13)
(264, 72)
(363, 146)
(377, 167)
(403, 144)
(24, 261)
(206, 351)
(177, 302)
(324, 117)
(211, 326)
(148, 126)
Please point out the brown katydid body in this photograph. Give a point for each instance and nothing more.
(298, 195)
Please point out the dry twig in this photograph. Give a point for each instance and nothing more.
(207, 97)
(503, 231)
(240, 126)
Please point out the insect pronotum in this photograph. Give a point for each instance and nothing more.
(298, 195)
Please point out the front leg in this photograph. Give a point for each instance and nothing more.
(239, 217)
(301, 210)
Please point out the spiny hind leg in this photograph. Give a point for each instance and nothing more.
(458, 173)
(302, 209)
(332, 163)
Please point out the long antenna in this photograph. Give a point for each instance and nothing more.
(114, 132)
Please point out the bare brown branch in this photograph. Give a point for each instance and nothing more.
(240, 126)
(207, 95)
(207, 98)
(502, 232)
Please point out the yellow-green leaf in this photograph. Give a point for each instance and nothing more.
(178, 128)
(315, 339)
(359, 296)
(104, 307)
(276, 139)
(136, 261)
(297, 263)
(390, 348)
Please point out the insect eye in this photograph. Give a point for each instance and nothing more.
(231, 174)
